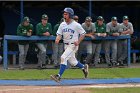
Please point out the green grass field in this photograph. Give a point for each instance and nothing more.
(115, 90)
(99, 73)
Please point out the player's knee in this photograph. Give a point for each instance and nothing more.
(74, 63)
(62, 59)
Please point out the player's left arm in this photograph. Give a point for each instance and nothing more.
(82, 36)
(82, 33)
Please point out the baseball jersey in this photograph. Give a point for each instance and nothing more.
(70, 32)
(124, 27)
(112, 29)
(40, 29)
(22, 31)
(99, 29)
(89, 29)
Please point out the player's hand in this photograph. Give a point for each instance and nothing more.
(76, 43)
(115, 34)
(92, 37)
(103, 34)
(98, 34)
(29, 33)
(47, 34)
(30, 30)
(56, 41)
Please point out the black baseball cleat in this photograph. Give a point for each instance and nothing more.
(55, 78)
(21, 68)
(121, 63)
(114, 64)
(40, 67)
(85, 70)
(110, 65)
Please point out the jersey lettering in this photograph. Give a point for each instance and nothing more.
(71, 36)
(68, 30)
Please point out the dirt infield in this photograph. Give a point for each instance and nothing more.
(41, 89)
(59, 89)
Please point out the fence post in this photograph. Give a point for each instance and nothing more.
(129, 51)
(5, 48)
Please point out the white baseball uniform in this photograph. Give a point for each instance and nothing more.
(70, 33)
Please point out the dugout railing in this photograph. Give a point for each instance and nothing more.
(35, 38)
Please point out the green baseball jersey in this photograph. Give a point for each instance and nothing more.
(22, 31)
(99, 29)
(40, 29)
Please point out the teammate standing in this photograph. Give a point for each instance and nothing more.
(89, 27)
(126, 28)
(24, 29)
(43, 29)
(70, 31)
(112, 29)
(100, 31)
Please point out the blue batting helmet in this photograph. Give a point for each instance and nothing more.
(70, 11)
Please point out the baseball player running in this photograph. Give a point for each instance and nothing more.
(70, 31)
(126, 28)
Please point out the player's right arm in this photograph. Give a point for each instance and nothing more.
(59, 34)
(58, 38)
(82, 33)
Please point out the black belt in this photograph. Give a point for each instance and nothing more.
(68, 43)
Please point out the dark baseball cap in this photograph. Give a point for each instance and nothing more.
(88, 18)
(26, 19)
(100, 18)
(125, 18)
(75, 17)
(114, 18)
(44, 16)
